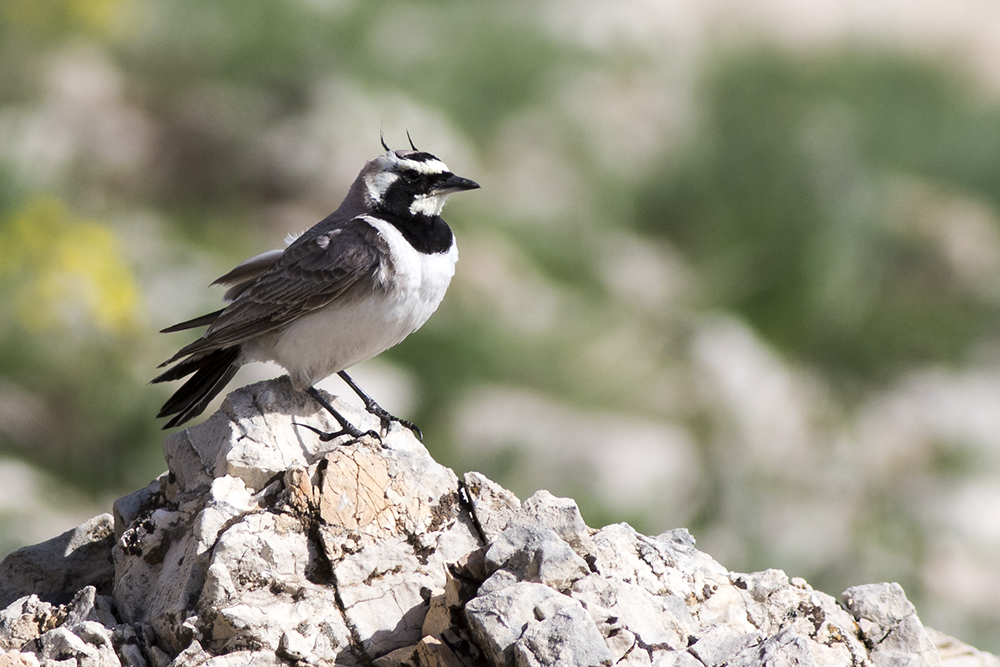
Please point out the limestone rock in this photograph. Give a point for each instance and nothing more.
(493, 506)
(534, 553)
(36, 632)
(563, 635)
(263, 545)
(890, 624)
(56, 569)
(270, 540)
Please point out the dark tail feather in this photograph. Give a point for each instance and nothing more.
(182, 368)
(212, 372)
(196, 322)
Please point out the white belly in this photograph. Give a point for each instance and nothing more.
(340, 335)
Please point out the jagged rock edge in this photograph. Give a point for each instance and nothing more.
(653, 553)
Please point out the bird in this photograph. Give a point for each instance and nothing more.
(355, 284)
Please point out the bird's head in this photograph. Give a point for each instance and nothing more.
(411, 182)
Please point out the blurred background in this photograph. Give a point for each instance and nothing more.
(735, 265)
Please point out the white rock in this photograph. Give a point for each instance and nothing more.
(499, 619)
(722, 644)
(562, 516)
(655, 620)
(293, 646)
(785, 649)
(536, 553)
(492, 504)
(92, 649)
(87, 605)
(498, 581)
(262, 545)
(563, 635)
(243, 659)
(889, 621)
(253, 564)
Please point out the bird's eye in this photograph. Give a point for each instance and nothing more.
(410, 176)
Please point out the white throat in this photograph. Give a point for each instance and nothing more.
(428, 205)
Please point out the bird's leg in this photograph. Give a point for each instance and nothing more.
(371, 406)
(346, 428)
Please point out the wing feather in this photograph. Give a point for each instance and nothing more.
(318, 268)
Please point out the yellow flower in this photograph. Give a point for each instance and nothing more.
(96, 15)
(50, 17)
(65, 272)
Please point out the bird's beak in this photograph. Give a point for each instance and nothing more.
(453, 183)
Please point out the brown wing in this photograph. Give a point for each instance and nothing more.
(318, 268)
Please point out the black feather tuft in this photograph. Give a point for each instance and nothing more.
(212, 372)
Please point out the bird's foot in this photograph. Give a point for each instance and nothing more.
(346, 427)
(386, 418)
(355, 433)
(374, 408)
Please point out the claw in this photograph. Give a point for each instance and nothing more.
(324, 436)
(374, 408)
(327, 436)
(346, 427)
(386, 418)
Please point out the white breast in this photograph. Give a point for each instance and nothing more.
(340, 335)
